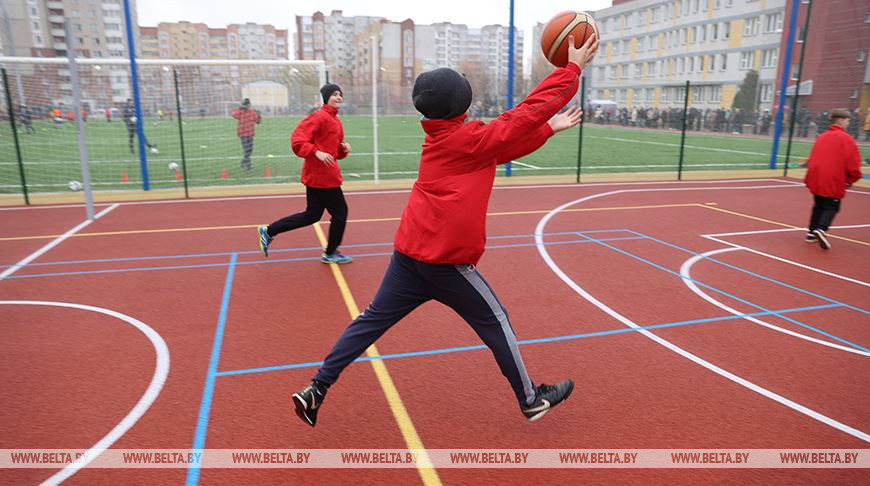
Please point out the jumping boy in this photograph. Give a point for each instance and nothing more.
(442, 232)
(319, 139)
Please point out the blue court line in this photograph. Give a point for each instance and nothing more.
(211, 374)
(283, 250)
(749, 272)
(788, 319)
(284, 260)
(568, 337)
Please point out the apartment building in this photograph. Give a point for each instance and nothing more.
(188, 40)
(650, 48)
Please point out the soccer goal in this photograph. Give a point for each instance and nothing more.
(193, 99)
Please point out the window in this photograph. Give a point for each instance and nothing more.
(690, 65)
(625, 45)
(726, 30)
(724, 62)
(747, 60)
(715, 93)
(750, 28)
(697, 94)
(860, 56)
(854, 94)
(766, 93)
(702, 33)
(638, 70)
(802, 34)
(769, 58)
(714, 32)
(795, 71)
(774, 23)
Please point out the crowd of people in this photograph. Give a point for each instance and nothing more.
(727, 120)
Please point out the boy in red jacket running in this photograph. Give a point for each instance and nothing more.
(245, 130)
(442, 232)
(319, 139)
(834, 164)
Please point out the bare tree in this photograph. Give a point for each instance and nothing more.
(478, 75)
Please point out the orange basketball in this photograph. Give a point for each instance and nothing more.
(554, 39)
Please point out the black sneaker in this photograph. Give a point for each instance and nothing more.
(308, 401)
(810, 238)
(548, 397)
(823, 239)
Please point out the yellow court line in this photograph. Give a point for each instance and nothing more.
(400, 413)
(777, 223)
(372, 220)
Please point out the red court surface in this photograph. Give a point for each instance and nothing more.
(752, 339)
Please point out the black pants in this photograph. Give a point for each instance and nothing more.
(407, 284)
(132, 133)
(824, 210)
(248, 148)
(317, 200)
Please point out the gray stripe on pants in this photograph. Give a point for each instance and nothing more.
(470, 274)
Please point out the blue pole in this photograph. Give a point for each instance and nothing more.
(510, 79)
(140, 131)
(786, 70)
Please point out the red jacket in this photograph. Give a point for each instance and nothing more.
(444, 221)
(246, 119)
(321, 131)
(834, 164)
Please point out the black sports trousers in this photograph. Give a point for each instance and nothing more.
(407, 284)
(317, 200)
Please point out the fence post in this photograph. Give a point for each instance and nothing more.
(683, 137)
(180, 132)
(580, 143)
(797, 90)
(11, 113)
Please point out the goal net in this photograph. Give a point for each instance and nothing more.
(207, 96)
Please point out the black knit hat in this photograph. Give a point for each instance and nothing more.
(327, 90)
(441, 94)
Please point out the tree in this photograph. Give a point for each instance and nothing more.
(746, 96)
(473, 68)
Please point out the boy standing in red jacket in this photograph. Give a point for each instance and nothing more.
(834, 164)
(442, 232)
(319, 139)
(245, 130)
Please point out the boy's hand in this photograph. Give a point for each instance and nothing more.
(582, 56)
(345, 147)
(565, 120)
(324, 157)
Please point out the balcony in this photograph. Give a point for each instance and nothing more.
(54, 5)
(56, 19)
(58, 32)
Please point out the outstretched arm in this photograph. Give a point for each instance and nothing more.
(517, 131)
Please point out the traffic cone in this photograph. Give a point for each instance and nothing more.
(123, 176)
(178, 175)
(225, 174)
(268, 171)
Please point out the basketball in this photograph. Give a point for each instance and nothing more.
(554, 38)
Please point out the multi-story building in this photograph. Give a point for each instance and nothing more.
(405, 49)
(188, 40)
(35, 28)
(328, 38)
(650, 48)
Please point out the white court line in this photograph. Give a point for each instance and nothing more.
(781, 230)
(526, 165)
(784, 260)
(33, 256)
(161, 370)
(713, 149)
(542, 249)
(685, 272)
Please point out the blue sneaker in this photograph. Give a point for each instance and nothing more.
(265, 239)
(335, 257)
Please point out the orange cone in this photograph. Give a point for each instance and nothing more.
(178, 175)
(268, 171)
(225, 174)
(123, 176)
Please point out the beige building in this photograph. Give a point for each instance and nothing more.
(189, 40)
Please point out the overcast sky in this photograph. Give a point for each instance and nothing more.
(281, 13)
